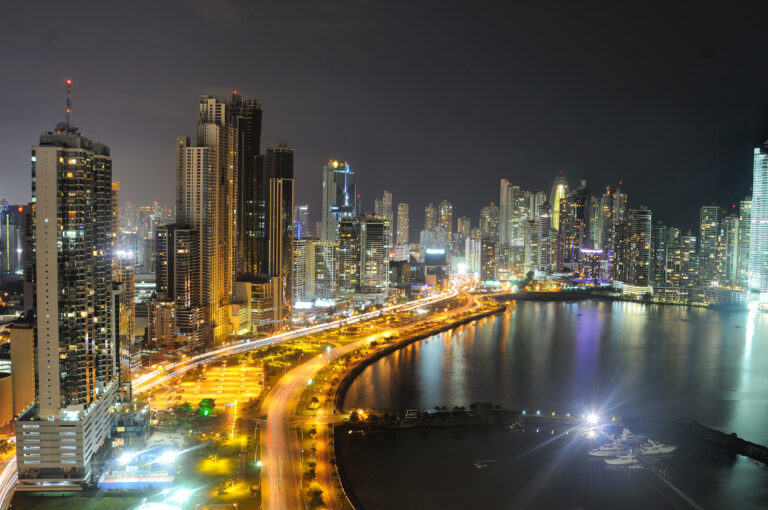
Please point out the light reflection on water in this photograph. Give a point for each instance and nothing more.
(626, 358)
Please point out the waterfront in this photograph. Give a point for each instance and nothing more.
(618, 358)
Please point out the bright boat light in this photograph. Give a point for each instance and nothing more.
(181, 495)
(592, 418)
(168, 457)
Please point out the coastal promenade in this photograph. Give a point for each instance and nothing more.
(281, 457)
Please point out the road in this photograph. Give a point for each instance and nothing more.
(167, 373)
(7, 479)
(163, 375)
(281, 462)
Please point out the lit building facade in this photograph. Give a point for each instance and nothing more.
(403, 224)
(77, 371)
(709, 236)
(559, 191)
(339, 198)
(745, 227)
(758, 247)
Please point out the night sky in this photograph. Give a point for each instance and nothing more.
(429, 101)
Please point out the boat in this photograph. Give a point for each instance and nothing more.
(622, 460)
(608, 450)
(480, 464)
(653, 448)
(628, 437)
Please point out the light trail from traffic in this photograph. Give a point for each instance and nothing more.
(7, 481)
(165, 374)
(143, 383)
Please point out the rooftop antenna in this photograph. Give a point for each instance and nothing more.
(69, 101)
(67, 127)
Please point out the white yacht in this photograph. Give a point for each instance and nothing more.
(608, 450)
(628, 437)
(653, 448)
(623, 460)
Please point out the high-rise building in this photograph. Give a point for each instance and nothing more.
(689, 260)
(315, 264)
(279, 162)
(403, 224)
(544, 231)
(76, 359)
(659, 254)
(489, 221)
(728, 250)
(445, 217)
(758, 243)
(363, 258)
(115, 215)
(709, 234)
(206, 201)
(633, 247)
(178, 279)
(472, 255)
(339, 198)
(507, 201)
(487, 259)
(530, 246)
(243, 115)
(573, 233)
(745, 227)
(559, 192)
(12, 220)
(301, 221)
(430, 216)
(383, 208)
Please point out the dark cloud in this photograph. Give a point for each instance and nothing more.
(429, 100)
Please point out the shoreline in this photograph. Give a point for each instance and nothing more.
(348, 378)
(591, 294)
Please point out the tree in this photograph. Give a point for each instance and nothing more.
(185, 408)
(353, 418)
(205, 408)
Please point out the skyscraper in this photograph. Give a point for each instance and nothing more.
(559, 191)
(745, 227)
(339, 197)
(430, 216)
(403, 224)
(544, 243)
(633, 247)
(659, 255)
(445, 217)
(728, 250)
(12, 220)
(206, 202)
(301, 221)
(177, 279)
(758, 247)
(506, 212)
(709, 233)
(489, 222)
(573, 233)
(244, 115)
(383, 208)
(279, 166)
(77, 370)
(363, 258)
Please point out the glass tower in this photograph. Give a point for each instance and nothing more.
(758, 249)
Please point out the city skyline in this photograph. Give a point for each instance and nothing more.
(533, 141)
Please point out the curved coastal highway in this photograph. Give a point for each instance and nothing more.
(167, 373)
(281, 459)
(163, 375)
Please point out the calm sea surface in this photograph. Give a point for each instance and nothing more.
(616, 358)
